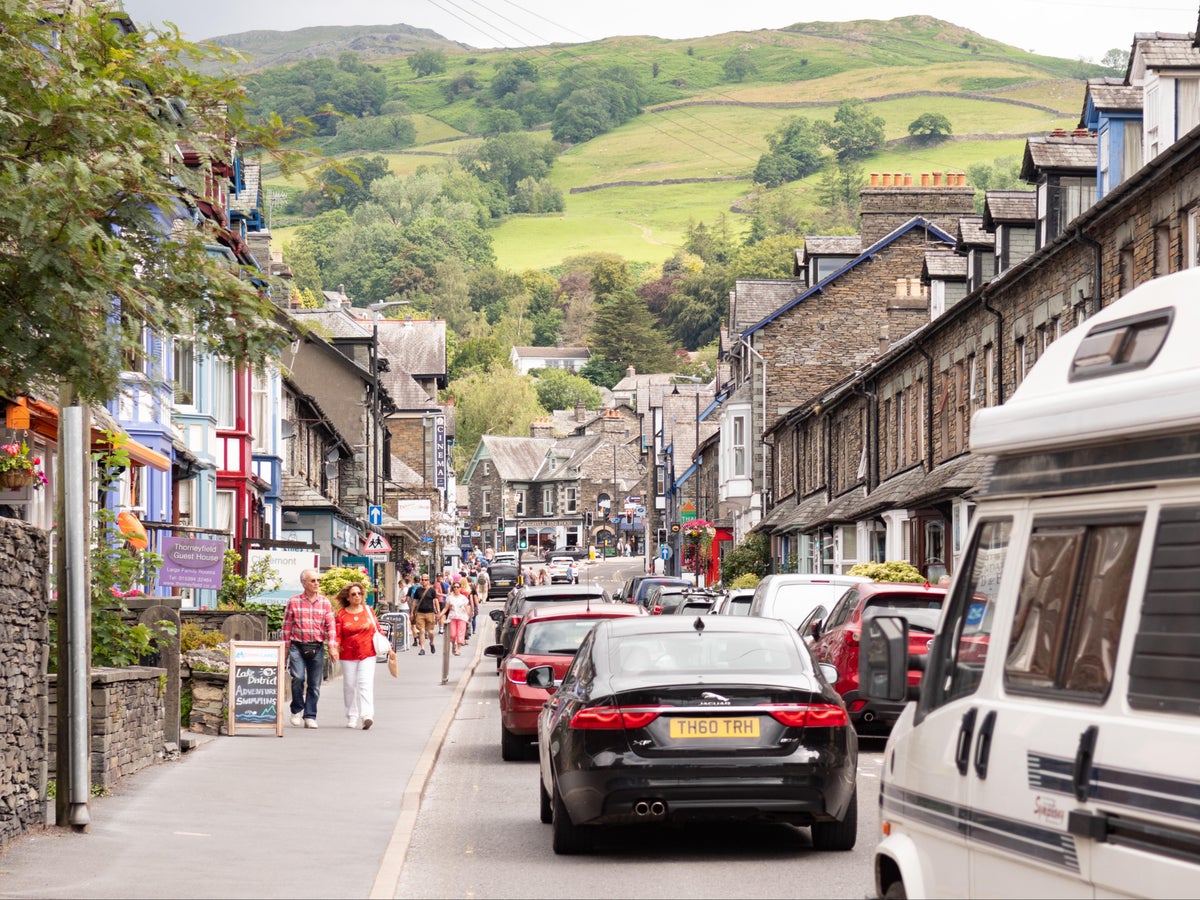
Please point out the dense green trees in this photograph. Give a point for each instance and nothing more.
(930, 126)
(796, 148)
(427, 61)
(88, 256)
(318, 90)
(561, 389)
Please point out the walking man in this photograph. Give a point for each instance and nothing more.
(308, 626)
(427, 609)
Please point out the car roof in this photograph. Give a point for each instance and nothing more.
(584, 611)
(901, 587)
(618, 628)
(813, 578)
(541, 591)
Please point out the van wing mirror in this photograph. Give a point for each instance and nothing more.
(883, 660)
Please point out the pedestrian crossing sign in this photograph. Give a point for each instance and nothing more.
(376, 543)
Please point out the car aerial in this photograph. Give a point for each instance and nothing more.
(735, 602)
(502, 578)
(527, 597)
(670, 719)
(640, 585)
(549, 635)
(791, 597)
(559, 569)
(836, 641)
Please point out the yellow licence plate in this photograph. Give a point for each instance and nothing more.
(714, 727)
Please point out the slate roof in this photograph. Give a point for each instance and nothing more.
(1165, 50)
(334, 322)
(404, 473)
(406, 393)
(553, 352)
(753, 301)
(517, 458)
(416, 346)
(570, 452)
(1009, 207)
(1059, 152)
(297, 492)
(945, 265)
(1114, 95)
(831, 245)
(971, 233)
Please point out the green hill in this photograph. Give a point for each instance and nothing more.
(689, 156)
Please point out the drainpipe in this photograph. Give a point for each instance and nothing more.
(1097, 254)
(871, 439)
(928, 406)
(999, 346)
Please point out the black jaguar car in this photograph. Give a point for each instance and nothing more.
(709, 718)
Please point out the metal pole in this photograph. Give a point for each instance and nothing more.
(71, 433)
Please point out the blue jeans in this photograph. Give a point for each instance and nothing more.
(302, 670)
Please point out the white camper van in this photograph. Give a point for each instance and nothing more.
(1054, 750)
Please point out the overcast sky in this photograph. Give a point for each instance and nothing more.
(1063, 28)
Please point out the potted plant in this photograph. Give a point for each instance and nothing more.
(18, 469)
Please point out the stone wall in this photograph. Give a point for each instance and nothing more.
(24, 639)
(210, 710)
(126, 722)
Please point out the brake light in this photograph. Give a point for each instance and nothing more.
(610, 718)
(515, 621)
(516, 669)
(808, 715)
(657, 611)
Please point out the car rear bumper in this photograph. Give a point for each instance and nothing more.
(518, 712)
(797, 793)
(870, 715)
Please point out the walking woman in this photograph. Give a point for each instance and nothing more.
(458, 609)
(355, 630)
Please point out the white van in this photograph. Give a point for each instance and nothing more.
(1054, 750)
(793, 596)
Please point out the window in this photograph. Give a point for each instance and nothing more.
(485, 503)
(1191, 258)
(1162, 250)
(1019, 361)
(1070, 607)
(487, 467)
(260, 412)
(223, 397)
(989, 381)
(956, 662)
(1187, 105)
(519, 497)
(739, 447)
(570, 500)
(185, 371)
(547, 501)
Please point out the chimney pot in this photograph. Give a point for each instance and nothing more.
(937, 179)
(897, 179)
(924, 179)
(887, 179)
(1058, 132)
(907, 179)
(874, 179)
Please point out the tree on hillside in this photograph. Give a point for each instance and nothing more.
(695, 310)
(738, 67)
(838, 191)
(856, 132)
(930, 127)
(625, 334)
(510, 75)
(794, 152)
(93, 184)
(1115, 59)
(602, 373)
(317, 90)
(560, 389)
(509, 159)
(1002, 174)
(427, 62)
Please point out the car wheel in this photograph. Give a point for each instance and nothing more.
(895, 891)
(838, 835)
(545, 811)
(512, 746)
(568, 838)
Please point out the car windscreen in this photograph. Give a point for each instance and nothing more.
(795, 601)
(530, 602)
(711, 654)
(560, 637)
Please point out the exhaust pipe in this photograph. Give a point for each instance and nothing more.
(658, 808)
(641, 808)
(868, 717)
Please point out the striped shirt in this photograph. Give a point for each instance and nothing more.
(309, 621)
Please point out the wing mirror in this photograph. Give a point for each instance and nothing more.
(540, 677)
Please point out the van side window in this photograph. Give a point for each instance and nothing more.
(1164, 673)
(1070, 608)
(958, 654)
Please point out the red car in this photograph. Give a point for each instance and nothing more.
(548, 636)
(836, 640)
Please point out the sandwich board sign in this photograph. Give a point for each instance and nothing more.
(256, 686)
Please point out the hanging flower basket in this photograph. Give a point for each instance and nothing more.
(11, 481)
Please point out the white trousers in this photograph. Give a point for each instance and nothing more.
(358, 687)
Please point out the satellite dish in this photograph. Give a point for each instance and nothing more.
(331, 470)
(333, 456)
(287, 429)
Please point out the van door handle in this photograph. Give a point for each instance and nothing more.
(983, 746)
(1081, 775)
(962, 752)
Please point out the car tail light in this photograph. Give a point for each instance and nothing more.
(515, 621)
(856, 705)
(656, 611)
(808, 715)
(516, 669)
(852, 635)
(610, 718)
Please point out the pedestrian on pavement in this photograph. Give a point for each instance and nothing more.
(458, 610)
(573, 570)
(481, 585)
(308, 627)
(428, 608)
(356, 629)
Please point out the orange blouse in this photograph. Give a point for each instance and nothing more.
(354, 634)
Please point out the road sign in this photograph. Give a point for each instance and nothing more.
(664, 552)
(376, 543)
(375, 514)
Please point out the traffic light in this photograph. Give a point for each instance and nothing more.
(662, 535)
(522, 538)
(587, 519)
(499, 523)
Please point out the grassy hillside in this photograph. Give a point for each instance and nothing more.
(621, 189)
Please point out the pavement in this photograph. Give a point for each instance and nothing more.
(326, 812)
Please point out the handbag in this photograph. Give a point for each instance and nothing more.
(379, 640)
